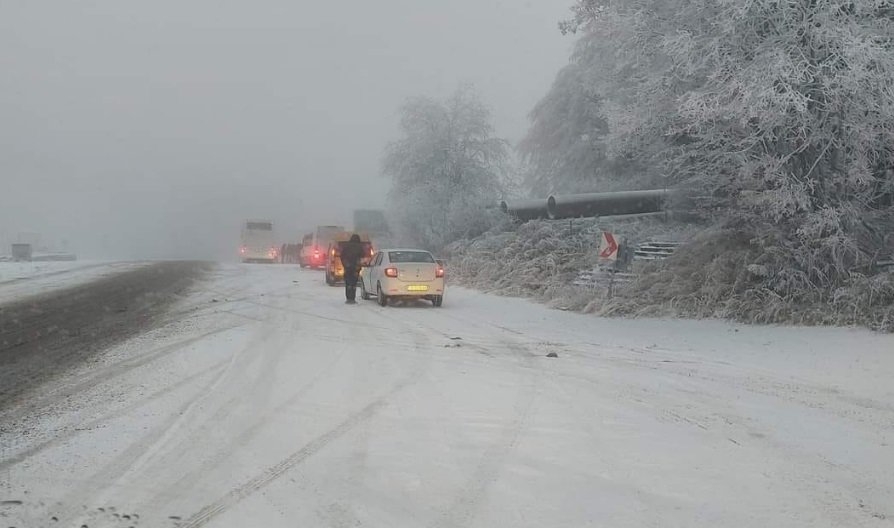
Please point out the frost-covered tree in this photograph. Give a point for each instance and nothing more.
(780, 113)
(565, 148)
(445, 170)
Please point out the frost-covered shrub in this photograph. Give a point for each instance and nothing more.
(715, 273)
(722, 273)
(542, 259)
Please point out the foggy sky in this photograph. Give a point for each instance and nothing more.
(152, 129)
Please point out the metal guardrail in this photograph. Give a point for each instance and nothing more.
(655, 250)
(604, 276)
(600, 277)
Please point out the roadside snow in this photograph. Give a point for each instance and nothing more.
(19, 280)
(268, 402)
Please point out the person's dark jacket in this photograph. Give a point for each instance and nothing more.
(352, 253)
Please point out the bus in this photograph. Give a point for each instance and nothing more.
(258, 244)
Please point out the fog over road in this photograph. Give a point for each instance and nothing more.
(253, 396)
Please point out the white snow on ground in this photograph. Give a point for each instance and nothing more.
(268, 402)
(23, 279)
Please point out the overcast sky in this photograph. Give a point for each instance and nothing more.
(153, 128)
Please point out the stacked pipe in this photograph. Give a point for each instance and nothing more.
(525, 210)
(605, 204)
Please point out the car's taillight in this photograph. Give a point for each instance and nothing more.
(242, 250)
(439, 272)
(372, 252)
(391, 272)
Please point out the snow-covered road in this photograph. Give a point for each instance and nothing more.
(266, 401)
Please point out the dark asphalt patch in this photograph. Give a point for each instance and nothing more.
(43, 336)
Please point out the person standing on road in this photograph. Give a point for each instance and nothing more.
(351, 255)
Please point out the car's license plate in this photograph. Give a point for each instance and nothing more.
(417, 287)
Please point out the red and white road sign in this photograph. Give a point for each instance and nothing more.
(608, 247)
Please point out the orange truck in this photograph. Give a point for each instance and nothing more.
(335, 270)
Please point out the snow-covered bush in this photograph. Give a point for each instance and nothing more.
(708, 276)
(721, 273)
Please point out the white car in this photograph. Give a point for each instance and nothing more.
(403, 274)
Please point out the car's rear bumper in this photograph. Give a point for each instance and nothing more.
(398, 288)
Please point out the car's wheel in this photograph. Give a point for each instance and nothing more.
(437, 300)
(380, 297)
(328, 279)
(363, 293)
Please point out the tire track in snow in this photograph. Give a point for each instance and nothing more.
(241, 440)
(62, 436)
(261, 386)
(468, 500)
(272, 473)
(465, 505)
(113, 474)
(183, 416)
(101, 375)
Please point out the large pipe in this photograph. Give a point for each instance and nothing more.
(605, 204)
(525, 210)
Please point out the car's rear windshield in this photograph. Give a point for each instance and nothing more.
(259, 226)
(399, 257)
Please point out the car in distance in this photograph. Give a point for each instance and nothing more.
(403, 274)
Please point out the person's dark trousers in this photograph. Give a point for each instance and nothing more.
(350, 284)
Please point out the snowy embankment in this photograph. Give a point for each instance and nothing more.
(544, 259)
(706, 277)
(23, 279)
(267, 402)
